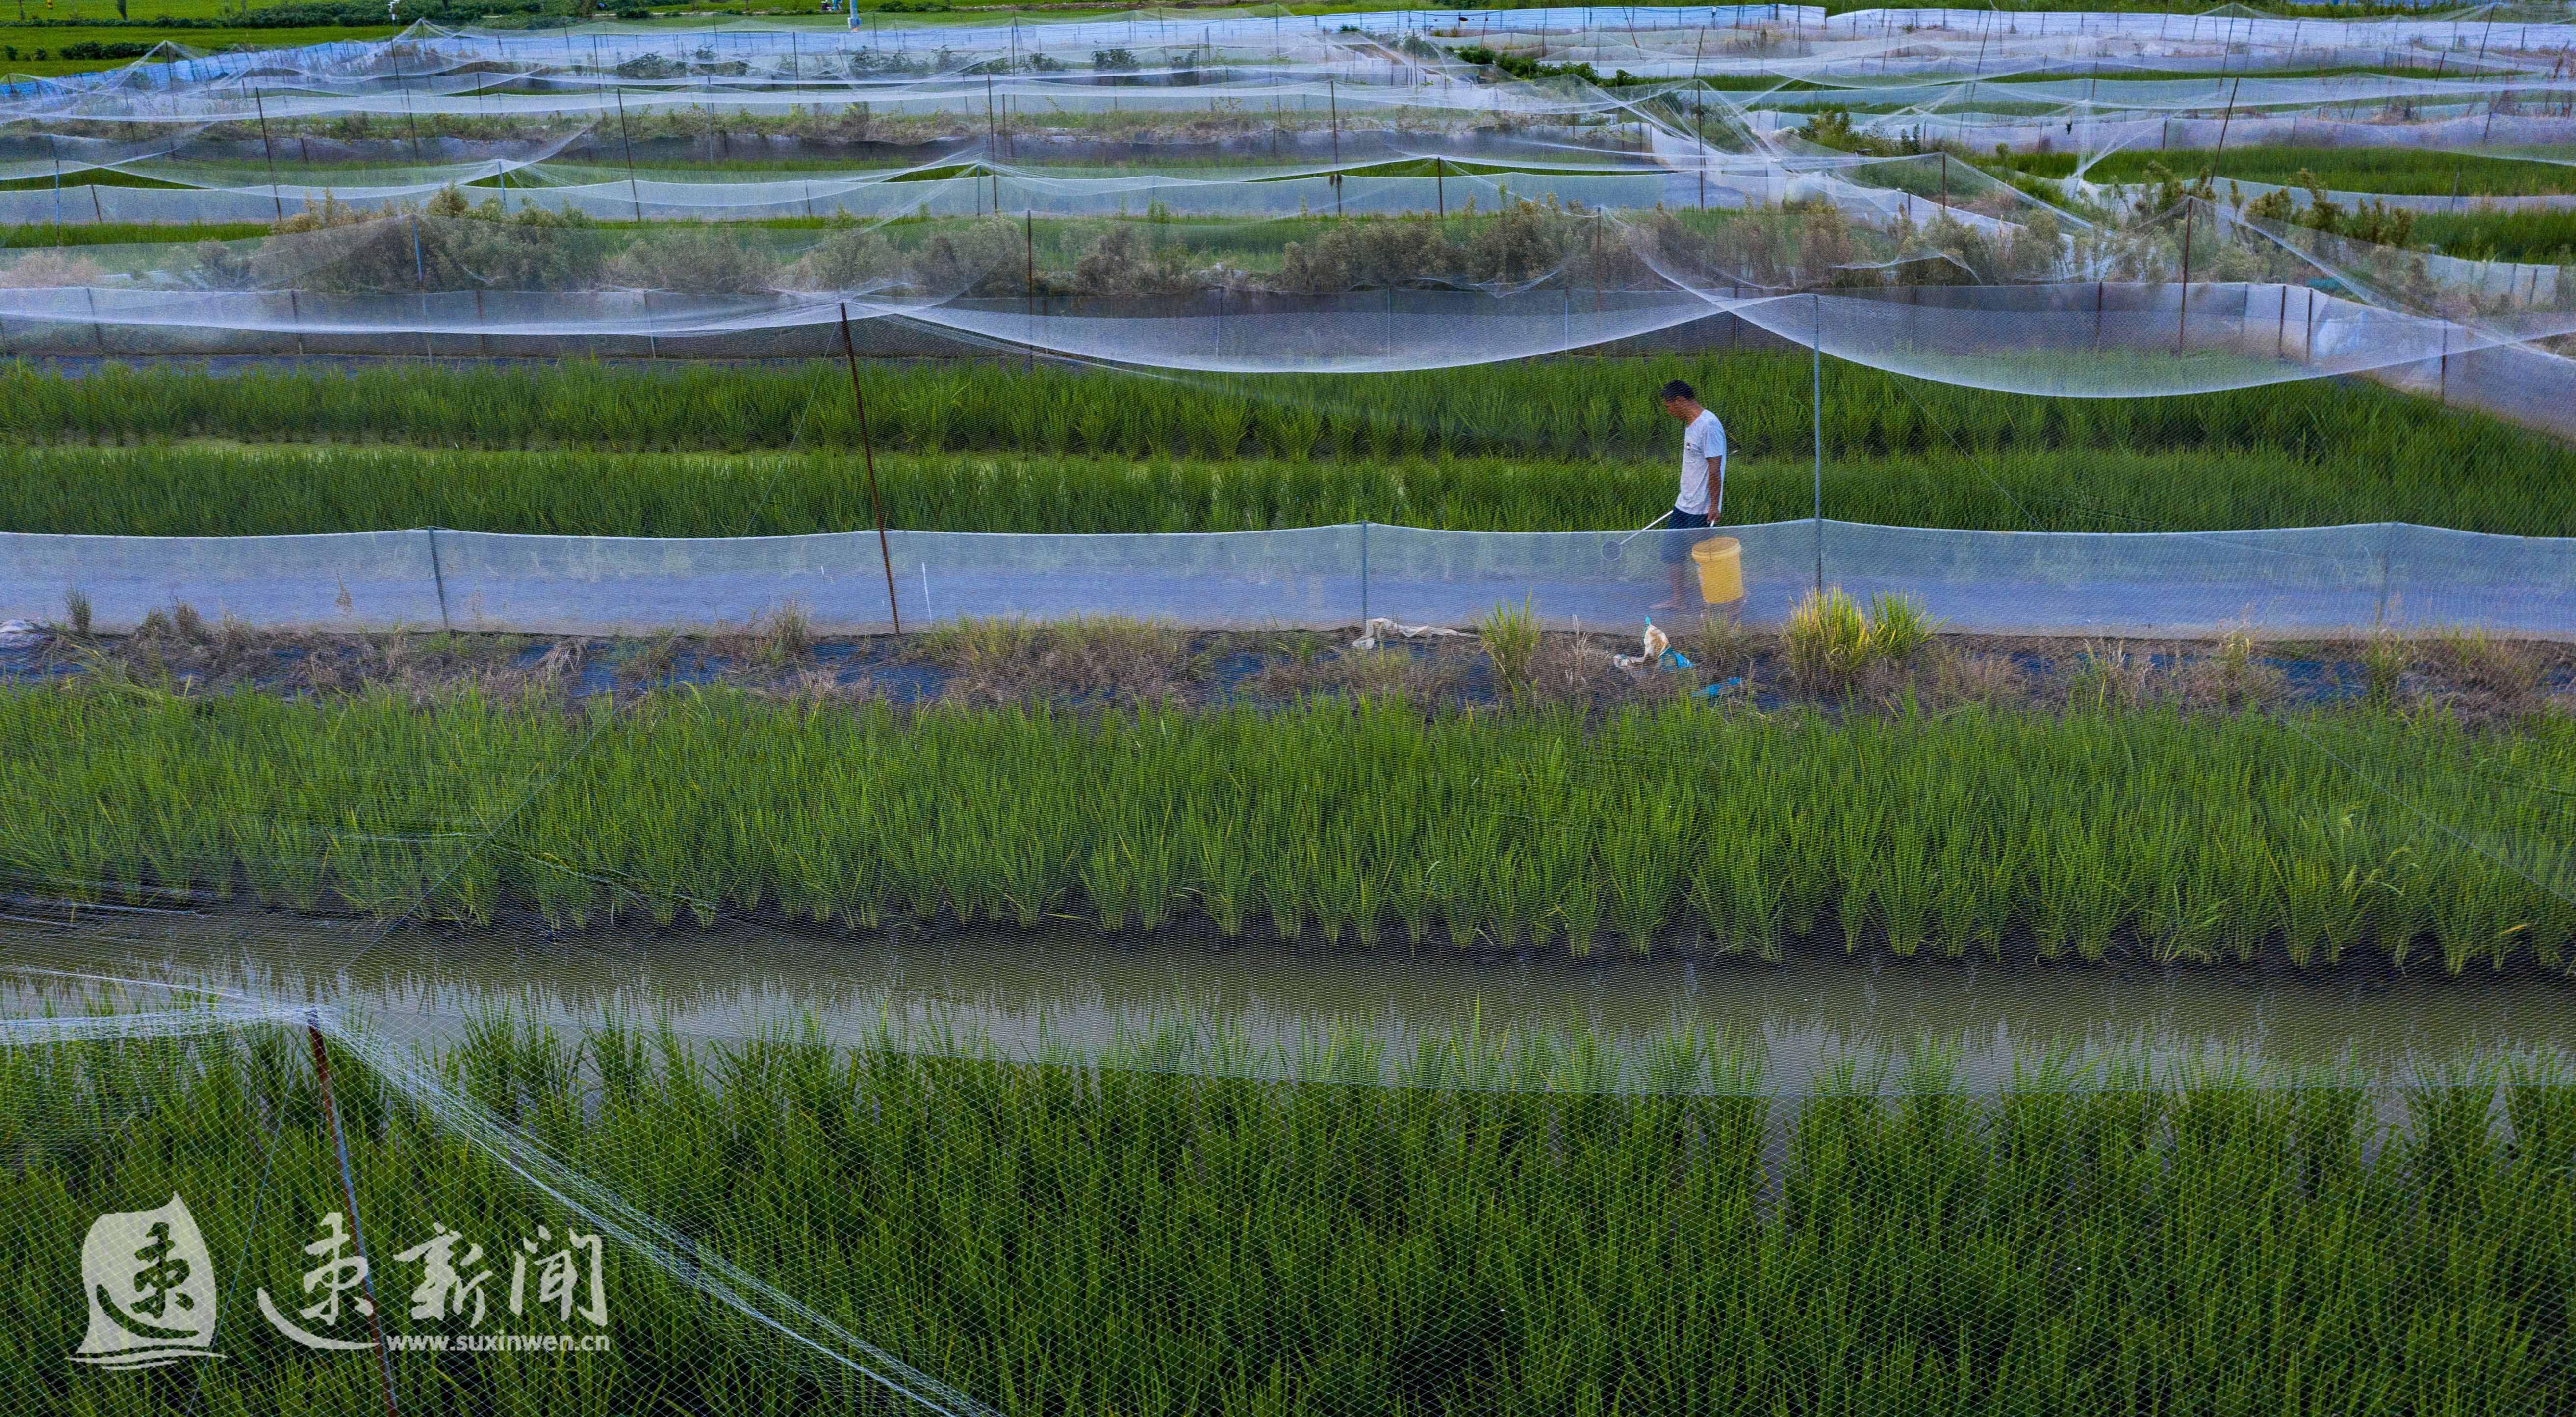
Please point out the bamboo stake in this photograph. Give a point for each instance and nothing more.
(2183, 310)
(1816, 429)
(349, 1197)
(271, 149)
(867, 449)
(626, 140)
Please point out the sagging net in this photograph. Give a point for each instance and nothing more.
(1381, 193)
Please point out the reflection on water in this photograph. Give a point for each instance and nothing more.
(1077, 992)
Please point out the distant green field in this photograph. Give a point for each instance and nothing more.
(2500, 236)
(31, 40)
(50, 40)
(2396, 171)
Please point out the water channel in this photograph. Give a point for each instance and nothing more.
(1077, 993)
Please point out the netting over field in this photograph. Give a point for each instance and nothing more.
(1119, 995)
(1249, 193)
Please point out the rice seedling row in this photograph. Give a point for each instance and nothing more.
(1551, 446)
(198, 490)
(2304, 840)
(1565, 408)
(1126, 1238)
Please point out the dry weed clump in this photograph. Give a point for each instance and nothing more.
(1424, 675)
(2386, 658)
(178, 650)
(1951, 675)
(1723, 648)
(815, 687)
(1573, 670)
(777, 640)
(2231, 675)
(2109, 674)
(425, 668)
(2481, 672)
(654, 659)
(1005, 659)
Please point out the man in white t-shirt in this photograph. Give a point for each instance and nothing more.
(1701, 497)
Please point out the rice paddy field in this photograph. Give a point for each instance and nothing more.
(1120, 1238)
(2393, 171)
(731, 450)
(1821, 1011)
(2238, 840)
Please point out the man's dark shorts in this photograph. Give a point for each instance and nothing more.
(1677, 549)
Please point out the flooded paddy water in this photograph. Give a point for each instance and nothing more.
(1076, 994)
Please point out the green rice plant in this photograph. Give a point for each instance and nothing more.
(1511, 638)
(1298, 1212)
(609, 449)
(2085, 834)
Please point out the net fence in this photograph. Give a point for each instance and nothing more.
(2321, 582)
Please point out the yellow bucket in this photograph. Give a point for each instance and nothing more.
(1721, 569)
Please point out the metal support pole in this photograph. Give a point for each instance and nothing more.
(349, 1197)
(867, 449)
(2182, 308)
(274, 200)
(420, 281)
(1364, 569)
(438, 578)
(1333, 96)
(2387, 546)
(1816, 429)
(626, 140)
(2224, 124)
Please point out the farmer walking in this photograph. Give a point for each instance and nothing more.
(1702, 494)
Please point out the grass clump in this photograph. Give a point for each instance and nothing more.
(1511, 637)
(2386, 656)
(1828, 642)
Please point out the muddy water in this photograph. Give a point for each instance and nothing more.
(1026, 995)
